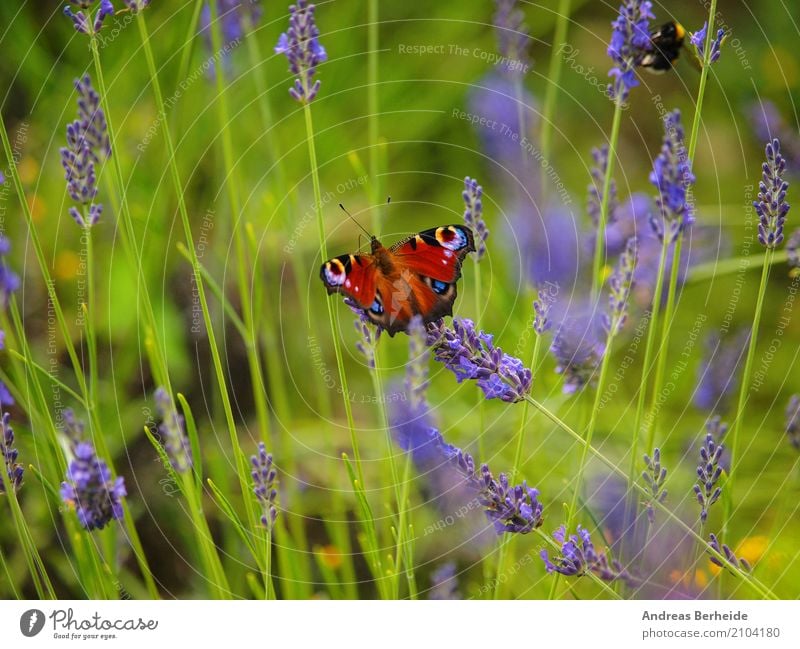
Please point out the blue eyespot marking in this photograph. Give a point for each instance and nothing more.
(377, 307)
(451, 238)
(439, 287)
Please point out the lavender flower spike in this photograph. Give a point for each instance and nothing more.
(595, 189)
(771, 205)
(89, 487)
(473, 215)
(471, 354)
(82, 21)
(793, 421)
(444, 582)
(516, 510)
(654, 477)
(709, 471)
(698, 39)
(9, 280)
(264, 476)
(579, 557)
(136, 5)
(578, 351)
(12, 471)
(793, 250)
(301, 46)
(672, 176)
(171, 430)
(620, 284)
(630, 41)
(728, 554)
(512, 36)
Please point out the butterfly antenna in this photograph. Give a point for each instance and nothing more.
(344, 209)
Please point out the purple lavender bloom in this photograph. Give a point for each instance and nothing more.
(87, 145)
(768, 123)
(512, 36)
(236, 18)
(473, 214)
(620, 286)
(83, 22)
(578, 350)
(12, 473)
(136, 5)
(630, 41)
(595, 189)
(171, 430)
(672, 176)
(728, 554)
(301, 46)
(793, 249)
(9, 280)
(793, 420)
(717, 373)
(368, 332)
(541, 310)
(515, 510)
(264, 476)
(654, 477)
(471, 354)
(709, 471)
(579, 557)
(698, 39)
(90, 488)
(771, 205)
(6, 399)
(444, 582)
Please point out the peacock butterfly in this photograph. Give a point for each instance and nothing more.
(417, 275)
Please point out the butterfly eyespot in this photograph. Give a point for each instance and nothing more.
(451, 238)
(335, 274)
(377, 307)
(439, 287)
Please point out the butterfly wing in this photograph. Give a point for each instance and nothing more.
(436, 253)
(355, 276)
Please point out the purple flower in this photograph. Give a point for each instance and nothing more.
(793, 249)
(579, 557)
(630, 41)
(709, 471)
(6, 399)
(620, 286)
(87, 145)
(698, 39)
(136, 5)
(83, 22)
(728, 554)
(444, 583)
(595, 189)
(515, 510)
(672, 176)
(717, 374)
(301, 46)
(171, 430)
(13, 471)
(473, 214)
(512, 35)
(368, 332)
(771, 205)
(90, 488)
(541, 311)
(654, 477)
(768, 123)
(793, 420)
(264, 476)
(577, 349)
(471, 354)
(9, 280)
(236, 18)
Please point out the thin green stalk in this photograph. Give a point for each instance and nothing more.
(600, 243)
(373, 120)
(744, 389)
(553, 83)
(91, 307)
(760, 588)
(232, 185)
(241, 463)
(661, 351)
(368, 521)
(39, 576)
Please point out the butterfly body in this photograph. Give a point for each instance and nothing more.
(667, 42)
(416, 276)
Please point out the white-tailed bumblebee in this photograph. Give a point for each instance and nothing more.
(667, 42)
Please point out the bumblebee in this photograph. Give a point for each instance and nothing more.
(666, 42)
